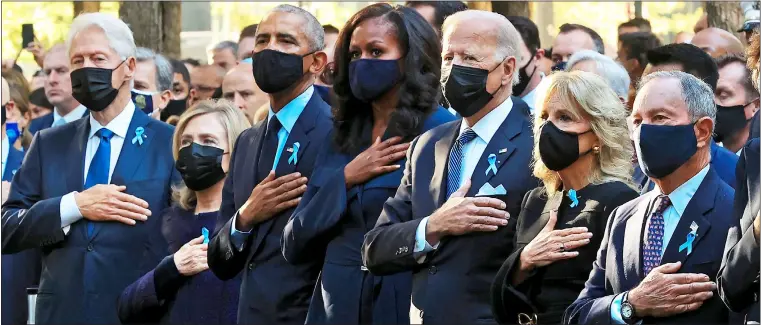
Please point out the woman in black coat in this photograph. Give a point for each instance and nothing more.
(582, 155)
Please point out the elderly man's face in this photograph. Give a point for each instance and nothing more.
(566, 44)
(225, 59)
(58, 79)
(659, 102)
(240, 88)
(246, 47)
(205, 81)
(91, 49)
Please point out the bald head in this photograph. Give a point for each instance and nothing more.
(717, 42)
(206, 79)
(239, 87)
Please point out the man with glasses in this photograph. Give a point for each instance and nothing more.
(206, 80)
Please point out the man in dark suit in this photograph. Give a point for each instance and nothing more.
(661, 251)
(268, 172)
(58, 91)
(87, 190)
(451, 232)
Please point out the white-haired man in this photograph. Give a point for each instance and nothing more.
(613, 73)
(90, 191)
(153, 82)
(462, 180)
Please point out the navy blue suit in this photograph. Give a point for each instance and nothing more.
(44, 122)
(82, 277)
(619, 265)
(273, 291)
(452, 285)
(332, 220)
(20, 270)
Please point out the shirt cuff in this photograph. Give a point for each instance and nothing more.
(238, 238)
(422, 247)
(69, 212)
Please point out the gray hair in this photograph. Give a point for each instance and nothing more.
(314, 32)
(164, 70)
(614, 74)
(696, 94)
(227, 45)
(117, 33)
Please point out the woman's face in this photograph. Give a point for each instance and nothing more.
(559, 114)
(13, 115)
(207, 130)
(374, 39)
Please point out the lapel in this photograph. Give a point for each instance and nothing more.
(438, 187)
(700, 205)
(253, 154)
(75, 156)
(633, 239)
(499, 145)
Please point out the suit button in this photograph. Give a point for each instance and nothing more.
(251, 266)
(432, 270)
(89, 248)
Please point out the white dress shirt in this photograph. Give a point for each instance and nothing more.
(74, 115)
(485, 129)
(5, 147)
(119, 125)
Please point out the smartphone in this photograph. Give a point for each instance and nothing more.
(27, 35)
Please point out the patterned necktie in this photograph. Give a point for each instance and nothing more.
(653, 246)
(269, 149)
(100, 165)
(455, 161)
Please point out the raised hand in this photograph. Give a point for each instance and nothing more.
(269, 198)
(375, 161)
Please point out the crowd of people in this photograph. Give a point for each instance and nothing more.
(424, 163)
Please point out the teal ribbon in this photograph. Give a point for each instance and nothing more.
(205, 233)
(294, 156)
(492, 164)
(574, 199)
(138, 136)
(688, 243)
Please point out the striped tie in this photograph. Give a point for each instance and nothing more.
(653, 246)
(455, 161)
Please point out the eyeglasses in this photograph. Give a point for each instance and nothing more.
(328, 74)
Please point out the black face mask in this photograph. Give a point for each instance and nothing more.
(200, 166)
(275, 71)
(466, 89)
(3, 112)
(523, 78)
(92, 87)
(664, 148)
(557, 148)
(560, 66)
(175, 107)
(729, 120)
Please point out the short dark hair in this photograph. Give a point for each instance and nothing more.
(37, 97)
(248, 31)
(441, 9)
(599, 45)
(747, 81)
(693, 60)
(638, 44)
(330, 29)
(528, 30)
(192, 62)
(641, 23)
(179, 67)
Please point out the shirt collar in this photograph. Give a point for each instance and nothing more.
(682, 195)
(291, 111)
(74, 115)
(119, 125)
(487, 126)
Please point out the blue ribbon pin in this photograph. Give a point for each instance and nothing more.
(492, 164)
(294, 156)
(574, 199)
(139, 136)
(205, 233)
(690, 239)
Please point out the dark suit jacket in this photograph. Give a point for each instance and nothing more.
(82, 277)
(547, 291)
(618, 267)
(20, 270)
(738, 279)
(452, 285)
(273, 290)
(332, 220)
(44, 122)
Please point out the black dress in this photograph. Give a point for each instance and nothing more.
(547, 291)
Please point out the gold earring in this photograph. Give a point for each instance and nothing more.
(596, 150)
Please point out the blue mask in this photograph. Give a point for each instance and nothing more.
(371, 78)
(664, 148)
(12, 131)
(143, 100)
(560, 66)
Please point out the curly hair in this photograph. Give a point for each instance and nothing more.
(588, 97)
(419, 90)
(752, 56)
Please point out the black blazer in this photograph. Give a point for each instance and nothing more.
(738, 279)
(273, 291)
(452, 285)
(618, 267)
(549, 290)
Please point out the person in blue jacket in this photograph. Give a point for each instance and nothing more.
(181, 289)
(387, 89)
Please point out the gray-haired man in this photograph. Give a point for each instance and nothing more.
(153, 82)
(225, 55)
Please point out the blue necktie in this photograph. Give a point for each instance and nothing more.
(100, 165)
(455, 161)
(653, 246)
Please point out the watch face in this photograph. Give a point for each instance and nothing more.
(626, 311)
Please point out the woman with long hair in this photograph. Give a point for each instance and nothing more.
(386, 92)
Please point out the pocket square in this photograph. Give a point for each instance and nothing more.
(487, 189)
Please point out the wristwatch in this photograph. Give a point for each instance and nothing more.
(627, 310)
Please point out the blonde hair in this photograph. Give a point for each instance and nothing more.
(229, 116)
(588, 97)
